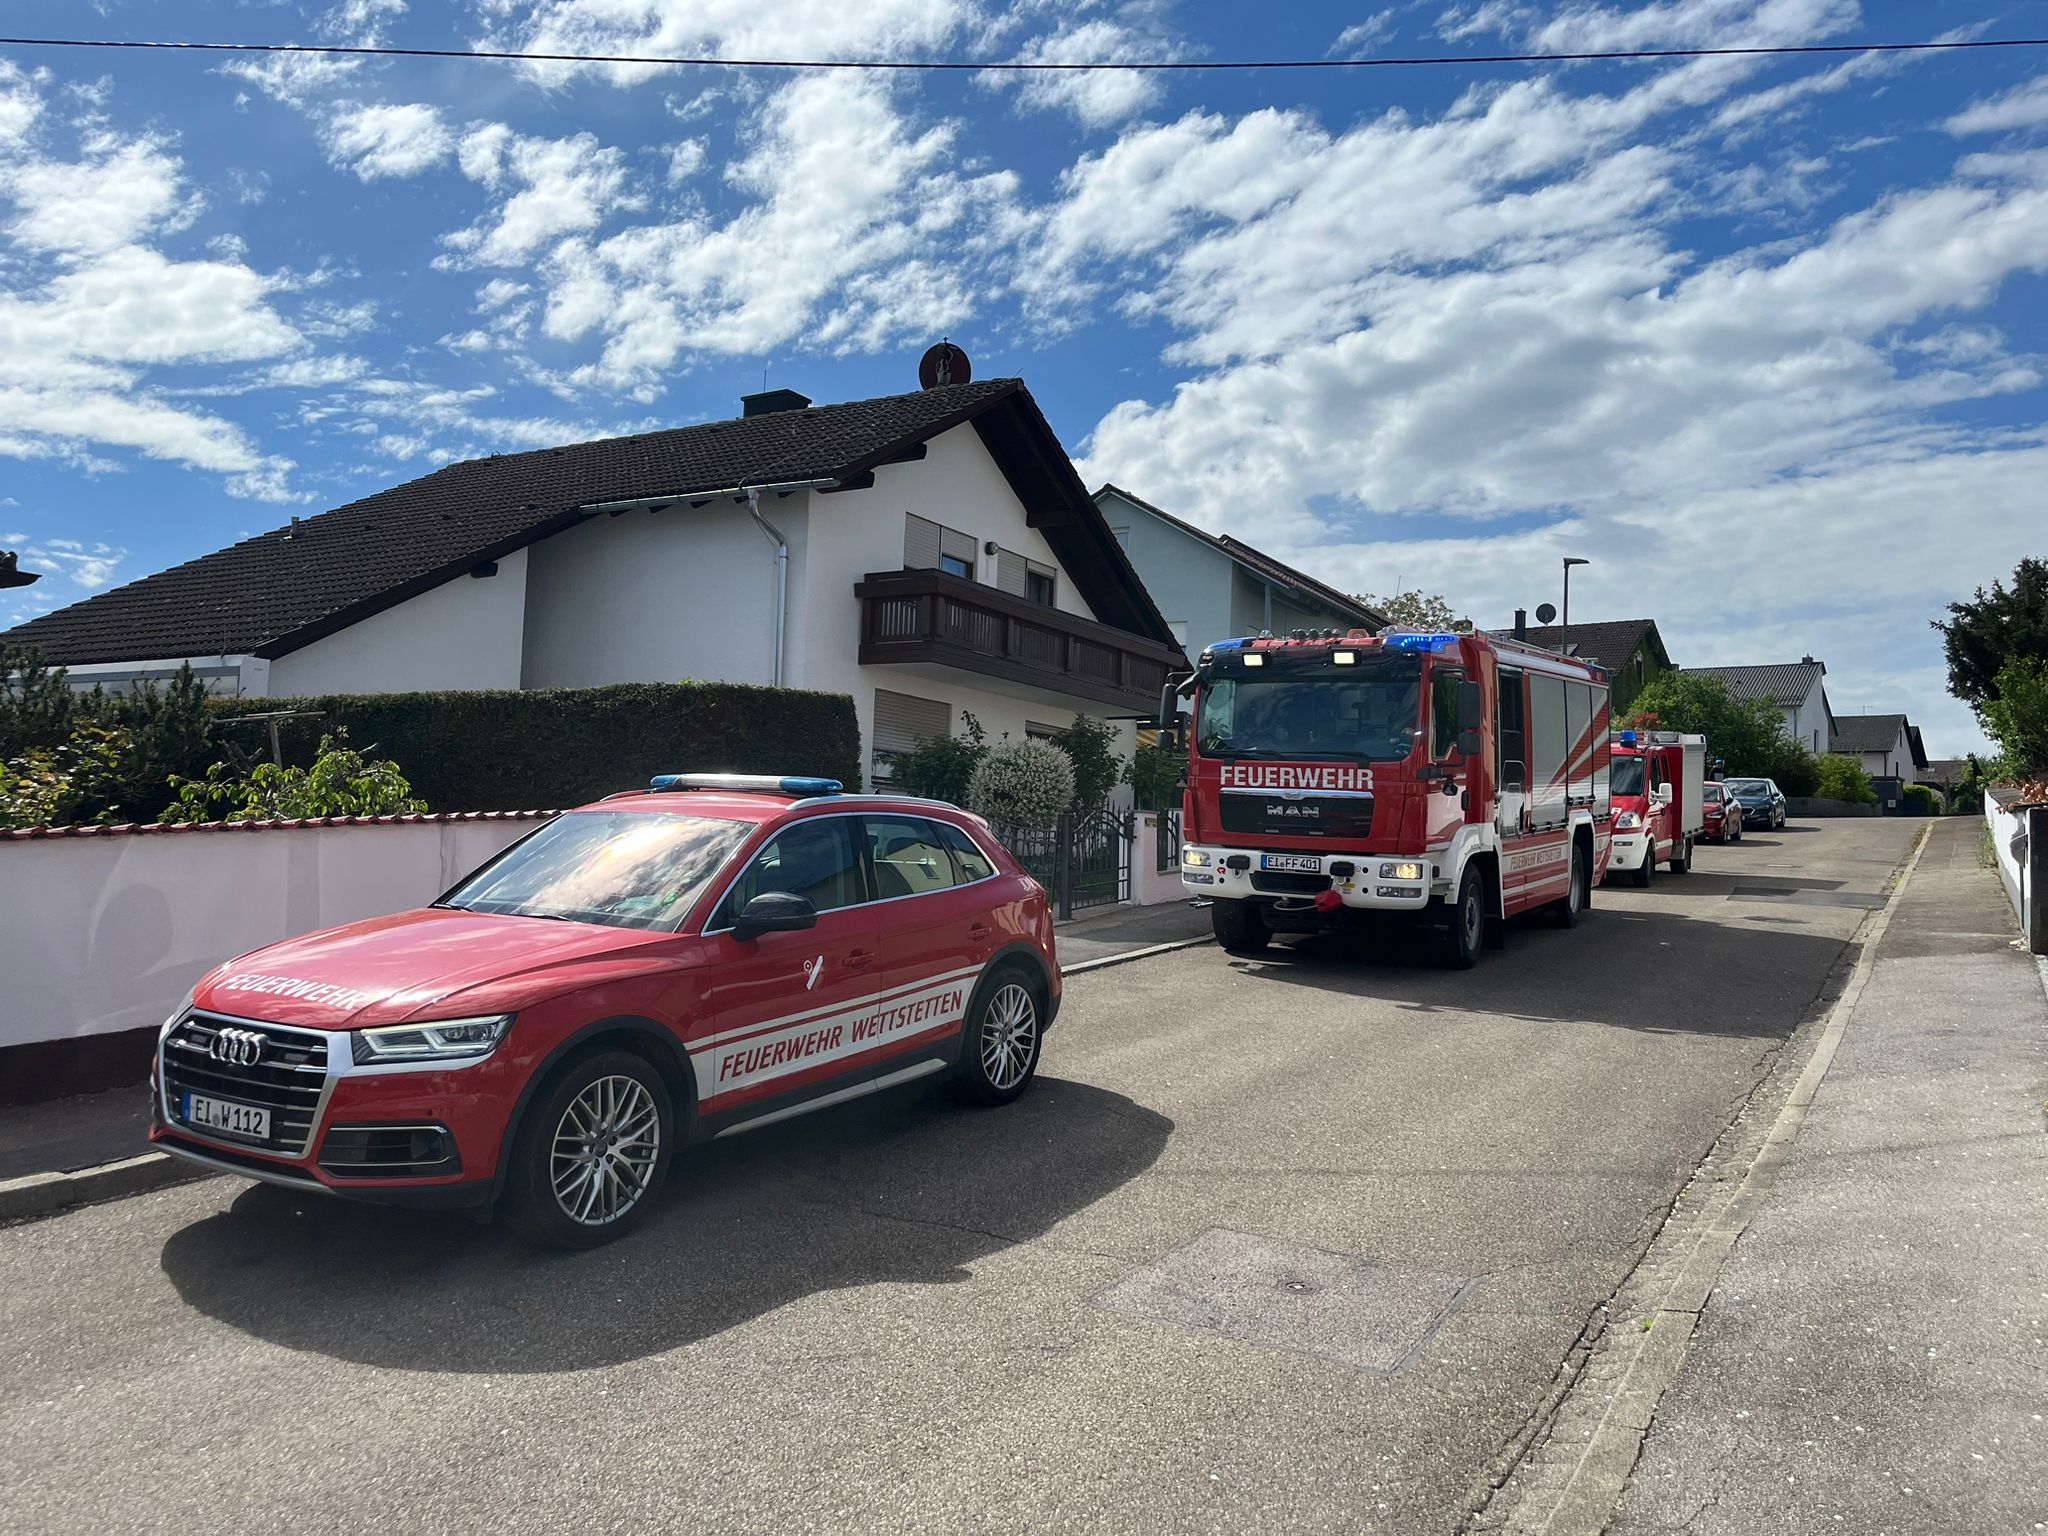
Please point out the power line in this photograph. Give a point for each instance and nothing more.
(1022, 66)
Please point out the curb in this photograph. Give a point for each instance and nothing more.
(1128, 955)
(40, 1194)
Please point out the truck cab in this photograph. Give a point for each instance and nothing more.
(1657, 780)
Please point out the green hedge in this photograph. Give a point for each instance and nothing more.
(1919, 800)
(548, 747)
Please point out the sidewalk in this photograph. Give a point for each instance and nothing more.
(64, 1135)
(1873, 1358)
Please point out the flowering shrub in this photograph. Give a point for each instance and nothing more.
(1022, 784)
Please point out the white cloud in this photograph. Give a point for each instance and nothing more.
(1360, 38)
(19, 104)
(564, 186)
(90, 566)
(2024, 106)
(1096, 98)
(396, 140)
(113, 197)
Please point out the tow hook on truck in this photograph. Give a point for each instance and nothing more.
(1447, 781)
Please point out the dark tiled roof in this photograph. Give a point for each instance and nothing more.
(1944, 770)
(1867, 733)
(1609, 642)
(280, 590)
(1263, 564)
(1785, 684)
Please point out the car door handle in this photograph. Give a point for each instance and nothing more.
(855, 959)
(979, 930)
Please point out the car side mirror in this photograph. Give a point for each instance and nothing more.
(774, 912)
(1471, 711)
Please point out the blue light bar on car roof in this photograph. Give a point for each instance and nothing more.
(1417, 642)
(774, 784)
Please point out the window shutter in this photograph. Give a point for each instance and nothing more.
(1010, 569)
(920, 543)
(902, 721)
(958, 545)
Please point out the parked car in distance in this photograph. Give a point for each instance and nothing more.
(1762, 802)
(1721, 812)
(657, 968)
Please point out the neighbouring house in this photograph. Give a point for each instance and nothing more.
(1631, 650)
(1214, 587)
(1888, 746)
(1943, 773)
(1794, 688)
(926, 553)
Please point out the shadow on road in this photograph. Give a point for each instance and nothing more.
(1619, 968)
(900, 1188)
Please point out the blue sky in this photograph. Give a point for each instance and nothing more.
(1763, 339)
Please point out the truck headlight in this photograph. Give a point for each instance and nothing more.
(437, 1040)
(1193, 858)
(1400, 871)
(1627, 821)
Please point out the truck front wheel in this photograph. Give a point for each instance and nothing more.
(1465, 929)
(1649, 865)
(1240, 926)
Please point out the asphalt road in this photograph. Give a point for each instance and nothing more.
(1294, 1243)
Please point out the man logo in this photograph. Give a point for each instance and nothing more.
(813, 969)
(237, 1047)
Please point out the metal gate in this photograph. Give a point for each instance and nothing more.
(1084, 861)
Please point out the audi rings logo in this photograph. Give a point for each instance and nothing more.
(237, 1047)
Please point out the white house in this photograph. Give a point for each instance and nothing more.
(1793, 688)
(926, 553)
(1888, 746)
(1213, 587)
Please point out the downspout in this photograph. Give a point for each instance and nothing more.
(781, 572)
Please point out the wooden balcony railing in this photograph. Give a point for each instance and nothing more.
(927, 616)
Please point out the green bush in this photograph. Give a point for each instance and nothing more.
(341, 782)
(1919, 800)
(1090, 745)
(1155, 774)
(940, 767)
(547, 747)
(115, 752)
(1843, 778)
(1022, 784)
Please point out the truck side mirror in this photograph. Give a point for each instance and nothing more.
(1169, 714)
(1471, 710)
(1665, 794)
(1468, 742)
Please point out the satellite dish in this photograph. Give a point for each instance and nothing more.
(1546, 613)
(943, 364)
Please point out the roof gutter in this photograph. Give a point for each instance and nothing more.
(752, 493)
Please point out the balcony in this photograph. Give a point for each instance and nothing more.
(926, 618)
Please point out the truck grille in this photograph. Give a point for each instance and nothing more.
(287, 1080)
(1297, 815)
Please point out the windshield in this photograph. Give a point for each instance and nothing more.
(1370, 712)
(1748, 787)
(1625, 776)
(627, 869)
(1713, 793)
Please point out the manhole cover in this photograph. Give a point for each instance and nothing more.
(1282, 1295)
(1867, 900)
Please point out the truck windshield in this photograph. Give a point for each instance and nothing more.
(1625, 776)
(626, 869)
(1371, 712)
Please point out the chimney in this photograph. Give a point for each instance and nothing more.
(1806, 661)
(1521, 624)
(769, 401)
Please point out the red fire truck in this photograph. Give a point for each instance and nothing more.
(1454, 780)
(1657, 780)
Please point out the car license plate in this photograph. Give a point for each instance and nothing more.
(1306, 862)
(206, 1114)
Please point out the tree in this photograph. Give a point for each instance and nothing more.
(1419, 610)
(1155, 775)
(1993, 628)
(941, 767)
(1090, 745)
(341, 782)
(1843, 778)
(1745, 734)
(2016, 717)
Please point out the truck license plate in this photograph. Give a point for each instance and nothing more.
(207, 1114)
(1308, 863)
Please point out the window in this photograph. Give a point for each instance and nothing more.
(909, 857)
(973, 863)
(1511, 740)
(1038, 730)
(1040, 585)
(624, 869)
(1368, 712)
(902, 721)
(957, 565)
(930, 546)
(812, 859)
(1443, 711)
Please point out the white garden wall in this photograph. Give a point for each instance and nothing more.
(2012, 867)
(106, 928)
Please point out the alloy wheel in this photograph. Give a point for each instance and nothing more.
(605, 1149)
(1009, 1036)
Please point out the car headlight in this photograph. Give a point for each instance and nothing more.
(437, 1040)
(1194, 858)
(1627, 821)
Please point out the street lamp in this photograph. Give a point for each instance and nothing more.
(11, 573)
(1564, 639)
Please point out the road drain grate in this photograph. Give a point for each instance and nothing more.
(1282, 1295)
(1869, 901)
